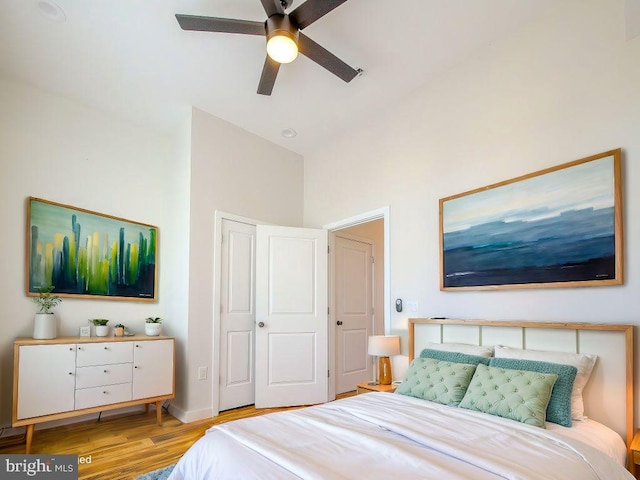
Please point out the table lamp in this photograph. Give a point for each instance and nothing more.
(383, 346)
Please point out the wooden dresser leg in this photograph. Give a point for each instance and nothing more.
(29, 438)
(159, 412)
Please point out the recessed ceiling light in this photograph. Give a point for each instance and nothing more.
(288, 133)
(51, 10)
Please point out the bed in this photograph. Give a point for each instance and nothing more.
(382, 435)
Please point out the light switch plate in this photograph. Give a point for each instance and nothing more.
(412, 306)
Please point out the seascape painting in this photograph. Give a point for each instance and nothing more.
(84, 253)
(561, 227)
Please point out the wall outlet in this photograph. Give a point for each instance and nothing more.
(202, 373)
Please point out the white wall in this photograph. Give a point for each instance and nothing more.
(563, 89)
(62, 151)
(235, 172)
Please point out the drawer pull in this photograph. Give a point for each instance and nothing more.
(70, 373)
(137, 346)
(105, 392)
(71, 349)
(135, 366)
(106, 371)
(106, 348)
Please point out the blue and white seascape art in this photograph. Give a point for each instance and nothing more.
(560, 227)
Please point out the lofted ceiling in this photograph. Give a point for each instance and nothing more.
(132, 59)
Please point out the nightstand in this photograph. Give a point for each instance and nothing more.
(634, 462)
(364, 387)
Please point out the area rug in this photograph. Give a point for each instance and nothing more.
(160, 474)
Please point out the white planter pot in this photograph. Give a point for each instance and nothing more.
(44, 326)
(102, 330)
(152, 329)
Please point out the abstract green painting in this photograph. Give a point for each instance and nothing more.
(89, 254)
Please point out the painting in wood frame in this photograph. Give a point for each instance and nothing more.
(558, 227)
(87, 254)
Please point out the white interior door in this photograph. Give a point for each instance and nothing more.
(291, 316)
(237, 315)
(354, 312)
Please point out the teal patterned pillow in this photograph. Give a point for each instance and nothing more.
(437, 381)
(559, 408)
(516, 394)
(455, 357)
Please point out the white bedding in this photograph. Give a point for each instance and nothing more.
(386, 436)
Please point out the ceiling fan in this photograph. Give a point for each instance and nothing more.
(284, 38)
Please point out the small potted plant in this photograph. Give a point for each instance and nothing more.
(153, 326)
(102, 329)
(118, 330)
(44, 326)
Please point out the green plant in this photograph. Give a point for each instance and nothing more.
(99, 321)
(119, 326)
(153, 320)
(45, 300)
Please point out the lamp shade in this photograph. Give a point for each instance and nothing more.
(384, 345)
(282, 48)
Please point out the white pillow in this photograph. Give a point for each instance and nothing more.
(584, 362)
(469, 349)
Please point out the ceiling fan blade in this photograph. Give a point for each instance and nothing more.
(312, 10)
(272, 7)
(225, 25)
(325, 58)
(268, 77)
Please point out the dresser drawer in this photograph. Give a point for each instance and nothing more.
(104, 353)
(87, 377)
(92, 397)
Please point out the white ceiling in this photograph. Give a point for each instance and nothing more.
(131, 58)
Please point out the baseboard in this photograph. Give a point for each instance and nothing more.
(15, 431)
(186, 416)
(12, 432)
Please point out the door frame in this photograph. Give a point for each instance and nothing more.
(380, 213)
(217, 273)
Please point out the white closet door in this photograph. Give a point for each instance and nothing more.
(291, 316)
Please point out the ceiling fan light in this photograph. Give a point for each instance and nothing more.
(282, 48)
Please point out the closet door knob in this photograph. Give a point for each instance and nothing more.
(339, 322)
(261, 324)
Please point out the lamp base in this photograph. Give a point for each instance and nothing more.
(384, 371)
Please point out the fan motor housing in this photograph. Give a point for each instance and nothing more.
(281, 25)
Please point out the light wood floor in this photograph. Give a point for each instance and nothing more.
(122, 447)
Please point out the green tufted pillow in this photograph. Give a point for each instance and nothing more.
(455, 357)
(516, 394)
(559, 408)
(437, 381)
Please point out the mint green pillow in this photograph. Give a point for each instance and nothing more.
(559, 408)
(455, 357)
(437, 381)
(515, 394)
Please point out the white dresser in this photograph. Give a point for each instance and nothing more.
(72, 376)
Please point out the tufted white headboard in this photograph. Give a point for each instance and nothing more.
(609, 394)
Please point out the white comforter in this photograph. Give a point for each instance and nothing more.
(386, 436)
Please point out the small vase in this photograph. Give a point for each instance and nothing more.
(152, 329)
(118, 331)
(44, 326)
(102, 330)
